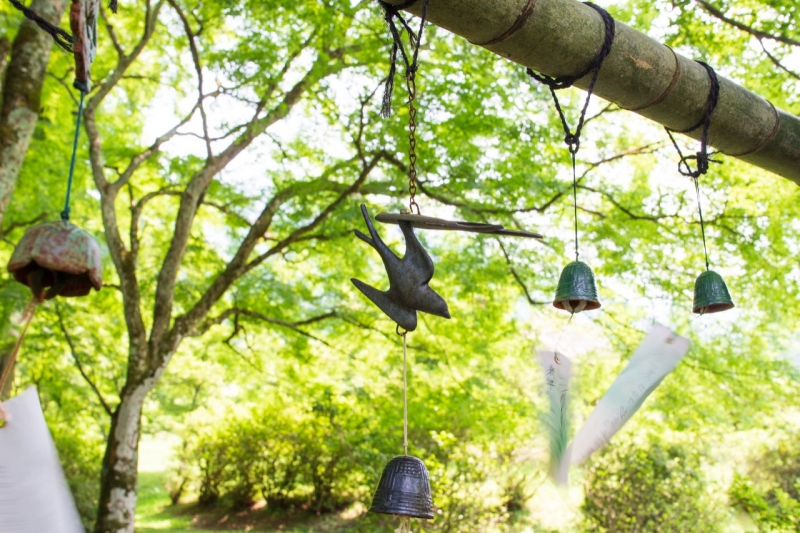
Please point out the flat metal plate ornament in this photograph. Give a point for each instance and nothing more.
(424, 222)
(409, 291)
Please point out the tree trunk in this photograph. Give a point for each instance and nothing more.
(5, 47)
(117, 508)
(22, 91)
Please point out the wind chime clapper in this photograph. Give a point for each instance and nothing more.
(577, 290)
(710, 292)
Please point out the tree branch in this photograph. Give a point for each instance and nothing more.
(142, 157)
(716, 13)
(190, 36)
(74, 353)
(136, 213)
(517, 278)
(237, 312)
(195, 190)
(239, 265)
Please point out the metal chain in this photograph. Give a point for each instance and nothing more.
(412, 143)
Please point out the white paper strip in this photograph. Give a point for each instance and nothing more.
(657, 355)
(34, 496)
(557, 371)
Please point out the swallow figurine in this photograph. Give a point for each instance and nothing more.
(408, 279)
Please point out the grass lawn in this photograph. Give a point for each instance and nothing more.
(154, 512)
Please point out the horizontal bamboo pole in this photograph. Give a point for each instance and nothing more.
(562, 37)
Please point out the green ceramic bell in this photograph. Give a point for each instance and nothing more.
(576, 289)
(711, 294)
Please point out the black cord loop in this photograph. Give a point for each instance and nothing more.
(563, 82)
(392, 16)
(702, 156)
(573, 139)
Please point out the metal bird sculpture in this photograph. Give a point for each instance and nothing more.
(408, 279)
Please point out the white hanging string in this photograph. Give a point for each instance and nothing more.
(561, 335)
(405, 395)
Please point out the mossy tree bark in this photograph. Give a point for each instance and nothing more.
(21, 93)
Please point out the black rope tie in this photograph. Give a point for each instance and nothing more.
(573, 139)
(393, 19)
(63, 39)
(701, 157)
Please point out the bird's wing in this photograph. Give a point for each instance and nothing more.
(388, 256)
(405, 317)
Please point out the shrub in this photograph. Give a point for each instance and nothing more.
(657, 488)
(770, 490)
(81, 457)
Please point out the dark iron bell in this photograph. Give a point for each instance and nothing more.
(404, 489)
(576, 289)
(711, 294)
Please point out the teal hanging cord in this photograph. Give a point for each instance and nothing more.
(65, 212)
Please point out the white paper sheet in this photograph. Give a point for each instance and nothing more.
(557, 371)
(34, 496)
(657, 355)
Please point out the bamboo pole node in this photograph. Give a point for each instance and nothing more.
(770, 137)
(523, 17)
(663, 96)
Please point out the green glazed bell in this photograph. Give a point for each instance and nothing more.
(576, 289)
(711, 294)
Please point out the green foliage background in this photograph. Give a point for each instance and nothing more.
(305, 418)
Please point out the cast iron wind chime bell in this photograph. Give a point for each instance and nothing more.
(710, 292)
(58, 258)
(577, 290)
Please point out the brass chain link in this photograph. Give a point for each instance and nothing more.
(412, 143)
